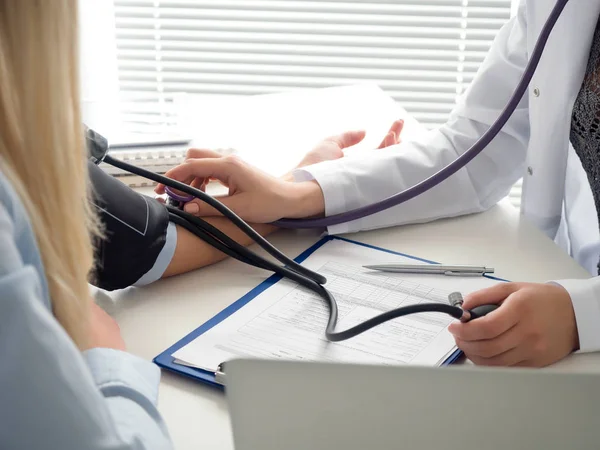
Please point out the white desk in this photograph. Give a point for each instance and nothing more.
(155, 317)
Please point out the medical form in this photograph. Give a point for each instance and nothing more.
(287, 321)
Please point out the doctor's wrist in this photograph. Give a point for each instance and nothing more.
(306, 200)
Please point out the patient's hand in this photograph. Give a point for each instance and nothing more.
(104, 330)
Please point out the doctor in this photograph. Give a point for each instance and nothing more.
(552, 140)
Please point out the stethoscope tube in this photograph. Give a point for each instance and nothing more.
(459, 162)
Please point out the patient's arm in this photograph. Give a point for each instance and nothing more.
(192, 253)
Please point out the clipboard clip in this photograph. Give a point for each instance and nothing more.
(220, 374)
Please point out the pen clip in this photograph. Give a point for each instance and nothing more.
(457, 273)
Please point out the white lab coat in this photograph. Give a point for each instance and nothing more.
(534, 144)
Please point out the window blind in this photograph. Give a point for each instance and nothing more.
(424, 53)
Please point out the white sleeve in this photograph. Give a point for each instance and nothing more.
(353, 182)
(585, 296)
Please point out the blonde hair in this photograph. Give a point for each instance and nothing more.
(42, 146)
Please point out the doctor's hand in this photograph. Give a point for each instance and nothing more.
(253, 195)
(534, 326)
(256, 196)
(333, 147)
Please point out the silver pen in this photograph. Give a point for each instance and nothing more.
(437, 269)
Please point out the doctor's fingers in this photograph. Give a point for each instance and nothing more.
(198, 183)
(195, 153)
(490, 326)
(513, 357)
(393, 136)
(253, 195)
(389, 140)
(201, 209)
(253, 206)
(347, 139)
(490, 348)
(223, 169)
(192, 153)
(491, 296)
(199, 153)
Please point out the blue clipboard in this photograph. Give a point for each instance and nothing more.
(166, 360)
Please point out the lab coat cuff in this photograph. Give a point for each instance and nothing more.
(113, 370)
(586, 306)
(163, 260)
(334, 191)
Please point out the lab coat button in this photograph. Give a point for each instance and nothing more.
(536, 92)
(530, 170)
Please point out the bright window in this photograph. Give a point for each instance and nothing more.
(424, 53)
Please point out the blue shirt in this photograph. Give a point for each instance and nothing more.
(53, 396)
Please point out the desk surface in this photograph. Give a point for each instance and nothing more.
(155, 317)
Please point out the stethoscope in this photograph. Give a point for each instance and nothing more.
(98, 148)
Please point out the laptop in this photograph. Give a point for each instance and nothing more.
(285, 405)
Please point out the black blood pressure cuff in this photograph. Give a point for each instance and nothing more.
(135, 232)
